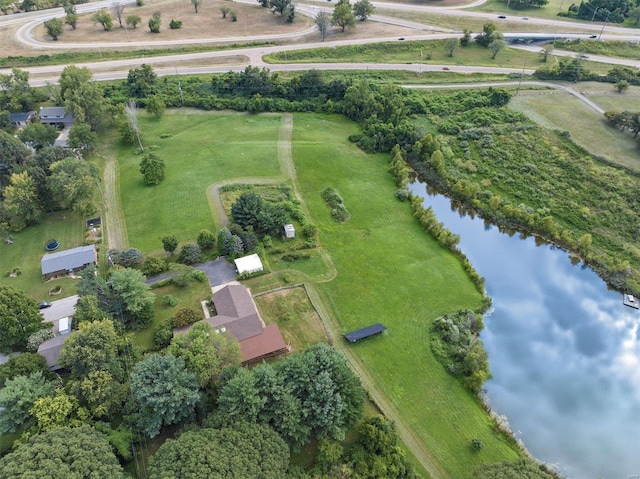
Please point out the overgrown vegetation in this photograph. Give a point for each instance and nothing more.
(335, 203)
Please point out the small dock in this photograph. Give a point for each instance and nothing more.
(631, 301)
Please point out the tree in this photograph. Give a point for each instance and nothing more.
(224, 241)
(363, 9)
(94, 347)
(103, 17)
(19, 317)
(196, 4)
(622, 86)
(117, 9)
(82, 96)
(451, 46)
(155, 22)
(519, 469)
(155, 106)
(497, 46)
(169, 243)
(465, 41)
(15, 92)
(152, 168)
(190, 254)
(206, 239)
(72, 78)
(246, 209)
(38, 135)
(225, 11)
(133, 20)
(18, 396)
(280, 6)
(343, 15)
(21, 203)
(205, 353)
(131, 113)
(100, 393)
(63, 453)
(54, 28)
(81, 136)
(323, 22)
(133, 300)
(87, 310)
(243, 450)
(634, 14)
(71, 17)
(141, 81)
(24, 364)
(73, 184)
(271, 219)
(165, 390)
(175, 24)
(488, 35)
(546, 51)
(57, 411)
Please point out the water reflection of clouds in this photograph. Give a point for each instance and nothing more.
(564, 352)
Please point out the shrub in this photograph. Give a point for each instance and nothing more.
(37, 338)
(154, 23)
(190, 254)
(154, 265)
(175, 24)
(476, 444)
(185, 316)
(162, 336)
(335, 203)
(403, 194)
(309, 230)
(206, 239)
(169, 300)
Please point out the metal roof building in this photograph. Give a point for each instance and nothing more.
(354, 336)
(68, 261)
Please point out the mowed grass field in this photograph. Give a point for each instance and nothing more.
(390, 271)
(199, 149)
(561, 111)
(27, 251)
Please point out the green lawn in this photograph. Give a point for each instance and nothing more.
(561, 111)
(390, 271)
(428, 52)
(27, 251)
(188, 297)
(201, 149)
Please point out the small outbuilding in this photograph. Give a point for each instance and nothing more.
(249, 264)
(289, 231)
(363, 333)
(64, 326)
(68, 261)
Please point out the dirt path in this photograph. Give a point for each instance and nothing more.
(114, 217)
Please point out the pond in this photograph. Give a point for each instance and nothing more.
(563, 349)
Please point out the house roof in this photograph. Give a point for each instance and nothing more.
(52, 111)
(270, 341)
(234, 300)
(248, 264)
(68, 259)
(50, 349)
(354, 336)
(241, 328)
(20, 117)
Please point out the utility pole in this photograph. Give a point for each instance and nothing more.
(524, 67)
(605, 22)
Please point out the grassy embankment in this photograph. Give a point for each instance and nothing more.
(430, 52)
(388, 270)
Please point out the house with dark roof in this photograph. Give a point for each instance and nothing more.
(68, 261)
(21, 119)
(237, 314)
(54, 115)
(50, 349)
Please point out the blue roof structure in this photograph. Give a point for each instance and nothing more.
(354, 336)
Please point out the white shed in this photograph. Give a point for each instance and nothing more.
(248, 264)
(64, 325)
(289, 231)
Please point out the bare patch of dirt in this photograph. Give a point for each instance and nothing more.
(207, 23)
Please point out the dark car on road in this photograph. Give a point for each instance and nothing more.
(45, 304)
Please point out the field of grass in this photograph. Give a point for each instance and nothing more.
(618, 49)
(200, 150)
(427, 52)
(390, 271)
(292, 311)
(27, 251)
(561, 111)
